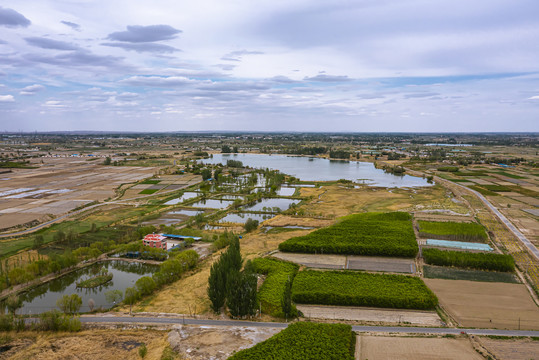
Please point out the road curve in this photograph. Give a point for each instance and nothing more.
(385, 329)
(510, 226)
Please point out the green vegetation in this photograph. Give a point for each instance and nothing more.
(95, 281)
(439, 272)
(148, 191)
(151, 181)
(69, 304)
(483, 191)
(227, 284)
(379, 234)
(496, 188)
(250, 225)
(351, 288)
(274, 288)
(305, 341)
(512, 176)
(480, 261)
(234, 163)
(471, 173)
(448, 168)
(452, 231)
(16, 165)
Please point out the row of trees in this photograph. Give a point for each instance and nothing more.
(227, 284)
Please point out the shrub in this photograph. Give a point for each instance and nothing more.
(480, 261)
(274, 287)
(452, 231)
(349, 288)
(380, 234)
(305, 341)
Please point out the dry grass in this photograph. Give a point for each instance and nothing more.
(514, 349)
(90, 344)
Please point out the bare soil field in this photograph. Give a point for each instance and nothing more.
(312, 260)
(215, 342)
(488, 305)
(415, 348)
(90, 345)
(511, 349)
(58, 186)
(371, 315)
(375, 263)
(285, 220)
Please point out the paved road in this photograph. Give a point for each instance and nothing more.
(509, 225)
(206, 322)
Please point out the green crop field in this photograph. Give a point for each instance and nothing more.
(305, 341)
(452, 231)
(351, 288)
(380, 234)
(440, 272)
(148, 191)
(461, 259)
(273, 288)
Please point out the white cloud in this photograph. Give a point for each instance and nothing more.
(6, 98)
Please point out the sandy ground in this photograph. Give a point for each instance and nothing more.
(216, 342)
(515, 349)
(415, 348)
(90, 345)
(488, 305)
(371, 315)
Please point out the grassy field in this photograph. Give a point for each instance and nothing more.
(479, 261)
(381, 234)
(148, 191)
(440, 272)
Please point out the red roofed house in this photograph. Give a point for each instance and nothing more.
(155, 240)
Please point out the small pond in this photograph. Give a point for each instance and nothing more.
(269, 204)
(241, 218)
(184, 197)
(212, 204)
(43, 297)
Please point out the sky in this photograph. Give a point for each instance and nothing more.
(277, 65)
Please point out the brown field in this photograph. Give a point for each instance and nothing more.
(487, 305)
(312, 260)
(371, 315)
(416, 348)
(285, 220)
(511, 349)
(58, 186)
(89, 344)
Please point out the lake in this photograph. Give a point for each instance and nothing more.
(316, 169)
(43, 297)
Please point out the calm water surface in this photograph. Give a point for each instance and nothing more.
(315, 169)
(125, 274)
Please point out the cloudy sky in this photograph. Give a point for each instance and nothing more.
(276, 65)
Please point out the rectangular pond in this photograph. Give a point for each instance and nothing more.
(241, 218)
(270, 204)
(212, 204)
(186, 196)
(458, 245)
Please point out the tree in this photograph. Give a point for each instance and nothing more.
(91, 304)
(142, 351)
(206, 174)
(69, 304)
(241, 297)
(107, 161)
(250, 225)
(225, 149)
(145, 285)
(130, 297)
(114, 296)
(217, 286)
(286, 301)
(13, 303)
(38, 241)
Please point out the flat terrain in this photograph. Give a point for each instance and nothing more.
(368, 263)
(371, 315)
(58, 186)
(86, 345)
(381, 347)
(215, 342)
(511, 349)
(478, 304)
